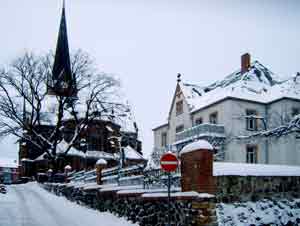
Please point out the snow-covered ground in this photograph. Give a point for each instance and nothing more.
(30, 205)
(264, 212)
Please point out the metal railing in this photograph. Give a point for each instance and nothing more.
(201, 130)
(132, 175)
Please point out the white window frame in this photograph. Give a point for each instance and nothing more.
(251, 120)
(213, 118)
(164, 138)
(181, 128)
(251, 154)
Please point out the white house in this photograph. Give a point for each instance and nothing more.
(248, 101)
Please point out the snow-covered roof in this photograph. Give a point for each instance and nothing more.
(197, 145)
(123, 113)
(243, 169)
(8, 163)
(130, 153)
(101, 154)
(62, 147)
(41, 157)
(258, 84)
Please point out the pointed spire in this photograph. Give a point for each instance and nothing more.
(178, 77)
(63, 82)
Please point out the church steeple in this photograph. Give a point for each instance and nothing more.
(62, 83)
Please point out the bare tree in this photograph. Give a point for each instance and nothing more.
(284, 129)
(25, 107)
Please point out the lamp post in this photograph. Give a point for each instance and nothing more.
(83, 146)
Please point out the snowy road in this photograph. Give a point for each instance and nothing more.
(30, 205)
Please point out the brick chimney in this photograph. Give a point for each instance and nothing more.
(245, 62)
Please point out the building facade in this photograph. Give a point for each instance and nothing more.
(228, 113)
(9, 172)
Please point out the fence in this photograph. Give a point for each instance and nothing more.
(148, 178)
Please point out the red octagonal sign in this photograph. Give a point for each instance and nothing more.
(169, 162)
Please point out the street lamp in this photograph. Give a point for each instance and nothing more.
(83, 146)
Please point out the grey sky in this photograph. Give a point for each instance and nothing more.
(147, 42)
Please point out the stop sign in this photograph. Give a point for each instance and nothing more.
(169, 162)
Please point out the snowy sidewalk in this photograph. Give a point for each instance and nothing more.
(30, 205)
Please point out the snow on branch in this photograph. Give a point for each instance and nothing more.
(292, 126)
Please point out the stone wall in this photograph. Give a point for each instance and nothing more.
(153, 211)
(231, 189)
(145, 211)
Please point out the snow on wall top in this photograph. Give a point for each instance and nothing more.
(258, 84)
(197, 145)
(101, 154)
(243, 169)
(101, 162)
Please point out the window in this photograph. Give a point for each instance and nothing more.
(213, 118)
(251, 120)
(295, 111)
(94, 143)
(179, 128)
(251, 154)
(164, 139)
(199, 121)
(179, 107)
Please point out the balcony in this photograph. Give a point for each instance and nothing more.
(198, 131)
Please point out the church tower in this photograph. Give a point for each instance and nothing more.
(62, 82)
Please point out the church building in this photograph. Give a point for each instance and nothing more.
(103, 137)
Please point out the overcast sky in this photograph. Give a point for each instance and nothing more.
(146, 43)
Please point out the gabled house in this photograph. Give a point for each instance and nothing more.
(228, 112)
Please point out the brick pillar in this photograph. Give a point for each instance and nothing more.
(197, 167)
(100, 165)
(67, 170)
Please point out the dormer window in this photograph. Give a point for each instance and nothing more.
(179, 107)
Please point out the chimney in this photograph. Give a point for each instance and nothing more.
(245, 62)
